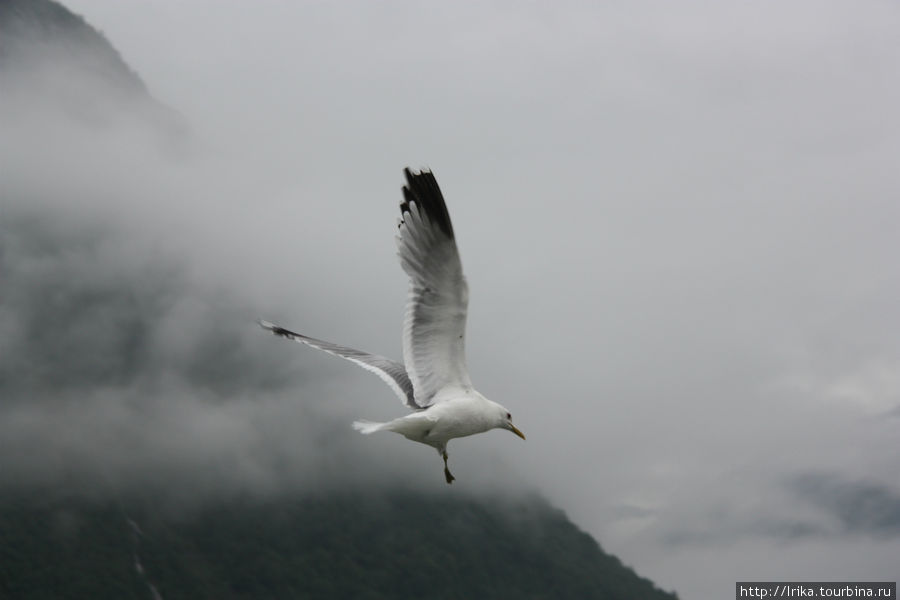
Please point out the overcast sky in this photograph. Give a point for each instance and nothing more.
(679, 223)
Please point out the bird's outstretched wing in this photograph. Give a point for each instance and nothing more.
(391, 372)
(435, 322)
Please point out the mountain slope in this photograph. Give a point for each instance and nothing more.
(40, 33)
(337, 545)
(52, 58)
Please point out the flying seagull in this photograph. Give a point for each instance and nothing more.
(433, 380)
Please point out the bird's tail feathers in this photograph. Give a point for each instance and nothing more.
(367, 427)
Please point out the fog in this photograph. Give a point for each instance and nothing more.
(678, 225)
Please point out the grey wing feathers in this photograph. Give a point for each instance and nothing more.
(391, 372)
(434, 327)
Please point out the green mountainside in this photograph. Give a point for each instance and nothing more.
(338, 545)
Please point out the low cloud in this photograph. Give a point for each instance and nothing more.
(857, 507)
(116, 365)
(128, 357)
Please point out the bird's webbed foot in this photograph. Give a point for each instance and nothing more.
(447, 474)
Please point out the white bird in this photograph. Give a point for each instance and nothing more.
(434, 380)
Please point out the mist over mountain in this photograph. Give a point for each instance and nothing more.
(52, 57)
(154, 442)
(42, 34)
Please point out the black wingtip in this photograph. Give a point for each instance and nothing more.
(276, 330)
(422, 188)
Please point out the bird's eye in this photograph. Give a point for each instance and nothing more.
(508, 416)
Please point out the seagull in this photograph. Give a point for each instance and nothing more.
(433, 380)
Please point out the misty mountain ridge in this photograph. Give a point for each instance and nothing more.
(43, 33)
(52, 56)
(153, 444)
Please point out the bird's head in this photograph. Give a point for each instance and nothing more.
(504, 421)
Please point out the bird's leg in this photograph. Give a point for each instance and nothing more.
(447, 475)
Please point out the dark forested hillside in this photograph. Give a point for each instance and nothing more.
(340, 545)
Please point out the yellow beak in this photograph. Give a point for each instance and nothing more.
(516, 431)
